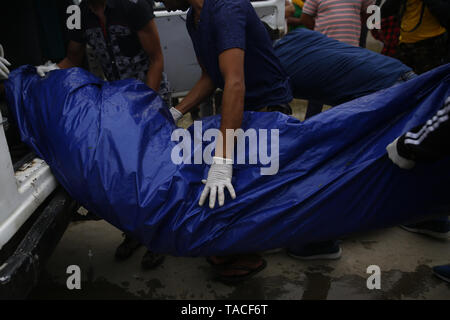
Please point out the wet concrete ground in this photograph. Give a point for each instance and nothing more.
(405, 260)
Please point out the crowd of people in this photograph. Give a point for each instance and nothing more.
(320, 59)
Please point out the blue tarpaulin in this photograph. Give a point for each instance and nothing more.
(108, 144)
(332, 72)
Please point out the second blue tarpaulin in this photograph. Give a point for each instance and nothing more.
(331, 72)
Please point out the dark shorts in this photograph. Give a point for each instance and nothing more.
(283, 108)
(425, 55)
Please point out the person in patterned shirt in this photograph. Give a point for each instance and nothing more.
(125, 40)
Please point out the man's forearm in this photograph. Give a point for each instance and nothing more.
(154, 74)
(307, 21)
(66, 63)
(202, 90)
(232, 114)
(293, 21)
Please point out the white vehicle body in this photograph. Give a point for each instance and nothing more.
(21, 192)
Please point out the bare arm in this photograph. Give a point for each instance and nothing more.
(307, 21)
(231, 64)
(201, 90)
(74, 57)
(289, 12)
(289, 9)
(149, 39)
(292, 21)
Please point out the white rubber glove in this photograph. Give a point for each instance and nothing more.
(46, 68)
(219, 178)
(177, 115)
(398, 159)
(4, 64)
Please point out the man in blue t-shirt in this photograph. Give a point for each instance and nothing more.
(235, 54)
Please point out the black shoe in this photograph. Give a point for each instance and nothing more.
(442, 272)
(438, 229)
(126, 248)
(327, 250)
(87, 217)
(151, 260)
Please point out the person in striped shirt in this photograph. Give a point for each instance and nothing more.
(338, 19)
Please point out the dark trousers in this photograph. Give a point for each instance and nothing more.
(425, 55)
(313, 109)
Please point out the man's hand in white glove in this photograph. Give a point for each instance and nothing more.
(177, 115)
(49, 66)
(398, 159)
(219, 178)
(4, 64)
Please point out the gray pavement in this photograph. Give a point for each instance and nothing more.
(405, 260)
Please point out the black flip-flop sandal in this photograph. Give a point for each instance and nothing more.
(232, 279)
(225, 263)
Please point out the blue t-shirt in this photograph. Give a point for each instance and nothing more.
(226, 24)
(332, 72)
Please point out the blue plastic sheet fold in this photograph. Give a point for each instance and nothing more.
(109, 145)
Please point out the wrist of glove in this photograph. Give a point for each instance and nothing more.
(176, 115)
(219, 178)
(46, 68)
(398, 159)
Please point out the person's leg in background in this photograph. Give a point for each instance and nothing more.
(438, 228)
(129, 245)
(434, 53)
(324, 250)
(313, 109)
(204, 109)
(425, 55)
(363, 37)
